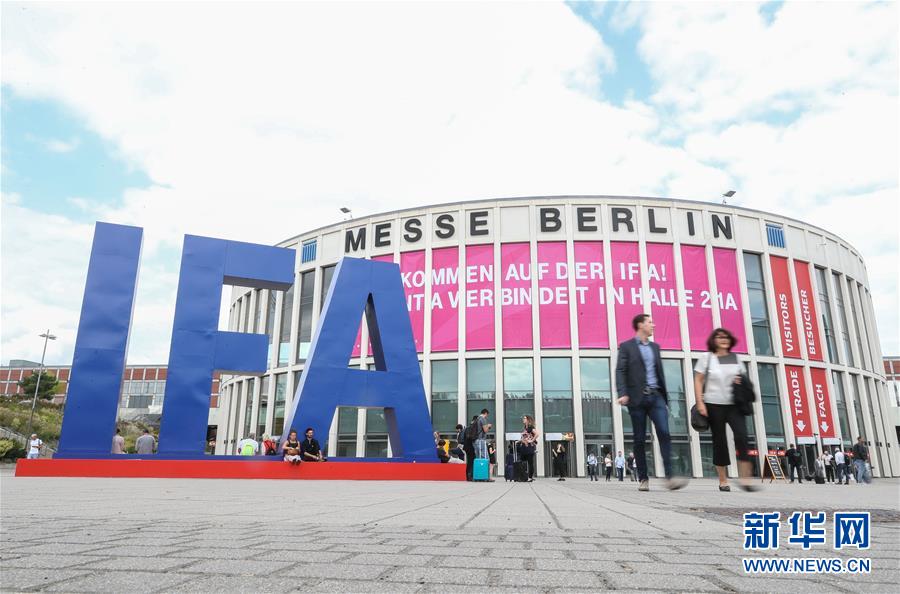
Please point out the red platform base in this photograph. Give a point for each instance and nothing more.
(243, 469)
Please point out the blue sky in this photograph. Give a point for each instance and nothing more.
(50, 157)
(115, 112)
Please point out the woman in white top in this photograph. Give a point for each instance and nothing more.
(714, 376)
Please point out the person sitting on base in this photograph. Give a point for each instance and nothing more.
(310, 448)
(291, 448)
(442, 455)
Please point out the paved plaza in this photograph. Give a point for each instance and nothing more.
(158, 535)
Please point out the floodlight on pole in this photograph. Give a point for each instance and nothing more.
(727, 195)
(347, 212)
(46, 336)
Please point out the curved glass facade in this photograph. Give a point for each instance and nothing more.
(517, 306)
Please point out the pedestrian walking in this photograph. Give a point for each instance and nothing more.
(608, 466)
(620, 466)
(717, 373)
(840, 467)
(632, 466)
(118, 444)
(860, 461)
(560, 461)
(527, 445)
(35, 445)
(828, 459)
(145, 444)
(641, 386)
(592, 466)
(795, 462)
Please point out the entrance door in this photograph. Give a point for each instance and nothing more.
(550, 460)
(810, 452)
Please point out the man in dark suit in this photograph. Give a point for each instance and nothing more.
(641, 387)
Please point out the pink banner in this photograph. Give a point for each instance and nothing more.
(412, 272)
(626, 276)
(590, 295)
(731, 310)
(479, 297)
(698, 304)
(445, 299)
(358, 343)
(515, 295)
(553, 294)
(663, 296)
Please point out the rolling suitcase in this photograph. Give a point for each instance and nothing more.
(480, 469)
(520, 471)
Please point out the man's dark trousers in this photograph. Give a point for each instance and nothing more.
(469, 449)
(653, 405)
(799, 470)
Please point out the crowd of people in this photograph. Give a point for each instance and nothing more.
(723, 393)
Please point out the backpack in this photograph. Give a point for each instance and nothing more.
(472, 431)
(248, 449)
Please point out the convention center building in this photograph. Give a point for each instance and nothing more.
(518, 306)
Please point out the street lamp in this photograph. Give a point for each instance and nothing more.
(727, 195)
(347, 212)
(46, 336)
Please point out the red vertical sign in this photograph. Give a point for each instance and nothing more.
(809, 328)
(800, 417)
(823, 406)
(784, 305)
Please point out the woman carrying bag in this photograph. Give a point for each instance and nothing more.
(723, 400)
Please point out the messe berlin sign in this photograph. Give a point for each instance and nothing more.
(198, 348)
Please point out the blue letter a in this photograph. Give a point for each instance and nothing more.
(396, 384)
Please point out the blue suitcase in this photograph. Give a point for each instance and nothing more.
(480, 469)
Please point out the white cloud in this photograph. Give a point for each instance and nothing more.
(255, 122)
(54, 145)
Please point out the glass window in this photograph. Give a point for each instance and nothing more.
(346, 448)
(307, 298)
(672, 370)
(280, 397)
(771, 404)
(376, 447)
(859, 340)
(759, 312)
(842, 316)
(556, 381)
(481, 388)
(284, 346)
(257, 314)
(246, 310)
(444, 395)
(596, 396)
(825, 308)
(248, 405)
(375, 423)
(840, 401)
(262, 410)
(518, 391)
(347, 421)
(327, 275)
(270, 322)
(862, 325)
(706, 455)
(681, 458)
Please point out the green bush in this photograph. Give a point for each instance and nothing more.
(10, 450)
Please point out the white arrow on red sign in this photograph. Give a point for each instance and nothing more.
(801, 425)
(824, 426)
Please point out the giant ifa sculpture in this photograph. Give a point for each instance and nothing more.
(198, 349)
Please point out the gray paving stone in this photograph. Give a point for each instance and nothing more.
(334, 571)
(444, 550)
(798, 584)
(41, 561)
(643, 581)
(134, 551)
(120, 581)
(238, 583)
(385, 559)
(355, 548)
(533, 554)
(439, 575)
(236, 567)
(576, 565)
(139, 563)
(551, 579)
(221, 553)
(359, 587)
(14, 579)
(450, 560)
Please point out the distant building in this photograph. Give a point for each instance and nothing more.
(892, 376)
(141, 398)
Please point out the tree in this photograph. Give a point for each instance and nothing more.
(47, 388)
